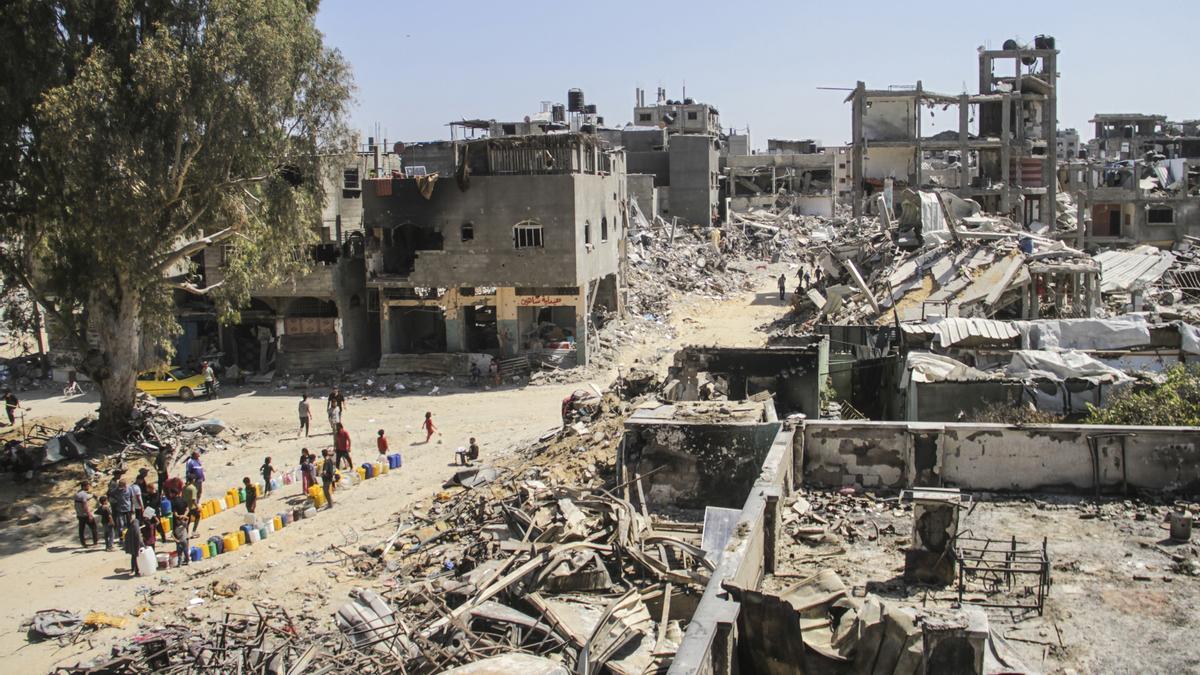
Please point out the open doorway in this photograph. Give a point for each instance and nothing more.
(417, 330)
(482, 335)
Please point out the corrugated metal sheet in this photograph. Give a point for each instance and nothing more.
(1131, 270)
(953, 331)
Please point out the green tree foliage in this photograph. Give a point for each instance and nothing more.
(1176, 402)
(133, 134)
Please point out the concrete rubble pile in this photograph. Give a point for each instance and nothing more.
(540, 559)
(665, 257)
(269, 641)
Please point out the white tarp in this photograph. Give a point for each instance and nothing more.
(926, 367)
(1130, 330)
(933, 219)
(1030, 364)
(1189, 337)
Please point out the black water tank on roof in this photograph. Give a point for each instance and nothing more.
(575, 100)
(590, 108)
(1011, 45)
(558, 112)
(1043, 42)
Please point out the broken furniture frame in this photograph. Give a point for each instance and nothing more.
(998, 563)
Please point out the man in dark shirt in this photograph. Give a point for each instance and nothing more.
(162, 462)
(328, 470)
(337, 400)
(11, 403)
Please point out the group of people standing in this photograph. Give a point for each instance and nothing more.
(132, 513)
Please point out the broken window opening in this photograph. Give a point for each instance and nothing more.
(587, 232)
(1160, 215)
(692, 115)
(644, 117)
(468, 231)
(527, 234)
(604, 228)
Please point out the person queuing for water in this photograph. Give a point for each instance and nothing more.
(118, 496)
(133, 543)
(341, 445)
(191, 502)
(305, 414)
(308, 471)
(335, 405)
(251, 495)
(83, 513)
(381, 444)
(180, 532)
(328, 471)
(162, 462)
(429, 427)
(194, 469)
(267, 471)
(105, 518)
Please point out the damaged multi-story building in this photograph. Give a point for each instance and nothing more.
(318, 321)
(799, 173)
(511, 250)
(673, 158)
(998, 149)
(1142, 181)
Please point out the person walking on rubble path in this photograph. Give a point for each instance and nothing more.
(11, 404)
(210, 380)
(429, 427)
(328, 471)
(335, 418)
(782, 286)
(83, 513)
(341, 446)
(305, 414)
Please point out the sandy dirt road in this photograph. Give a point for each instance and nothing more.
(43, 566)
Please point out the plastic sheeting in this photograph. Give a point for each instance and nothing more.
(1189, 337)
(1030, 364)
(926, 367)
(1120, 332)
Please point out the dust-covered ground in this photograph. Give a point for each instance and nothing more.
(42, 565)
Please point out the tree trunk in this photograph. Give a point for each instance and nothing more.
(117, 320)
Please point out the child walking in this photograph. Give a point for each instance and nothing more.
(267, 471)
(429, 426)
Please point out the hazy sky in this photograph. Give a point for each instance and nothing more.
(419, 65)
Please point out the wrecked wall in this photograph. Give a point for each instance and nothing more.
(697, 464)
(1001, 457)
(710, 643)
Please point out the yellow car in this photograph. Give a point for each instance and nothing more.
(173, 382)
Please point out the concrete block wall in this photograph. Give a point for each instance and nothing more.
(1001, 457)
(710, 643)
(694, 166)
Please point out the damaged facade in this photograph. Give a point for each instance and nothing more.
(512, 253)
(1005, 162)
(1141, 183)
